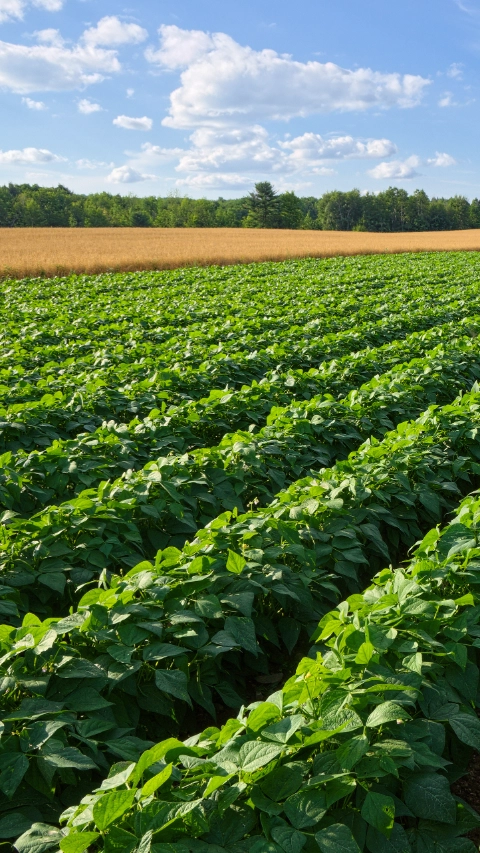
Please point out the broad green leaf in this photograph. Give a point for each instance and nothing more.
(235, 563)
(365, 654)
(290, 840)
(336, 838)
(428, 796)
(13, 766)
(282, 731)
(157, 781)
(467, 729)
(387, 712)
(305, 808)
(39, 838)
(379, 811)
(174, 682)
(255, 754)
(112, 806)
(78, 841)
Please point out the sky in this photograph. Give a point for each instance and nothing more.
(206, 97)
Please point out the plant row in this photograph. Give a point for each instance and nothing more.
(202, 628)
(357, 752)
(47, 317)
(64, 413)
(113, 526)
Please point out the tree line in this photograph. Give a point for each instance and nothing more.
(26, 205)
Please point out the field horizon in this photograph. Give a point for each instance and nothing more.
(59, 251)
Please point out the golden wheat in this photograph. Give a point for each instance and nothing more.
(54, 251)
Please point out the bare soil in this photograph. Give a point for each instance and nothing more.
(59, 251)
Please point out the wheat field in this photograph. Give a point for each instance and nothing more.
(59, 251)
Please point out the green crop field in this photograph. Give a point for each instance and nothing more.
(240, 558)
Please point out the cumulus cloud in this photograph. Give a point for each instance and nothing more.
(442, 159)
(455, 70)
(224, 82)
(88, 107)
(250, 150)
(85, 163)
(112, 31)
(396, 169)
(11, 10)
(33, 105)
(52, 65)
(312, 147)
(27, 156)
(229, 181)
(129, 123)
(447, 100)
(127, 175)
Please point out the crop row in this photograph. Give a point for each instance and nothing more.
(357, 751)
(113, 526)
(57, 314)
(57, 416)
(203, 626)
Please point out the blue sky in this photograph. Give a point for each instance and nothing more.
(206, 98)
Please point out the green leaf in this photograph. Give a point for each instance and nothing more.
(78, 841)
(379, 811)
(306, 808)
(387, 712)
(243, 631)
(467, 729)
(69, 756)
(235, 563)
(282, 731)
(112, 806)
(39, 838)
(13, 825)
(290, 840)
(13, 766)
(352, 751)
(153, 784)
(428, 796)
(254, 755)
(336, 838)
(174, 682)
(283, 781)
(365, 654)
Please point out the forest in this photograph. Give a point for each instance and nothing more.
(25, 205)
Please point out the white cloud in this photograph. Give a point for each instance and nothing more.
(53, 67)
(87, 107)
(241, 149)
(218, 181)
(396, 169)
(224, 83)
(130, 93)
(250, 150)
(50, 36)
(129, 123)
(127, 175)
(455, 70)
(112, 31)
(11, 10)
(447, 100)
(312, 147)
(49, 5)
(442, 159)
(92, 164)
(33, 105)
(28, 156)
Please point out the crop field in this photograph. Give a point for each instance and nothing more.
(240, 558)
(60, 251)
